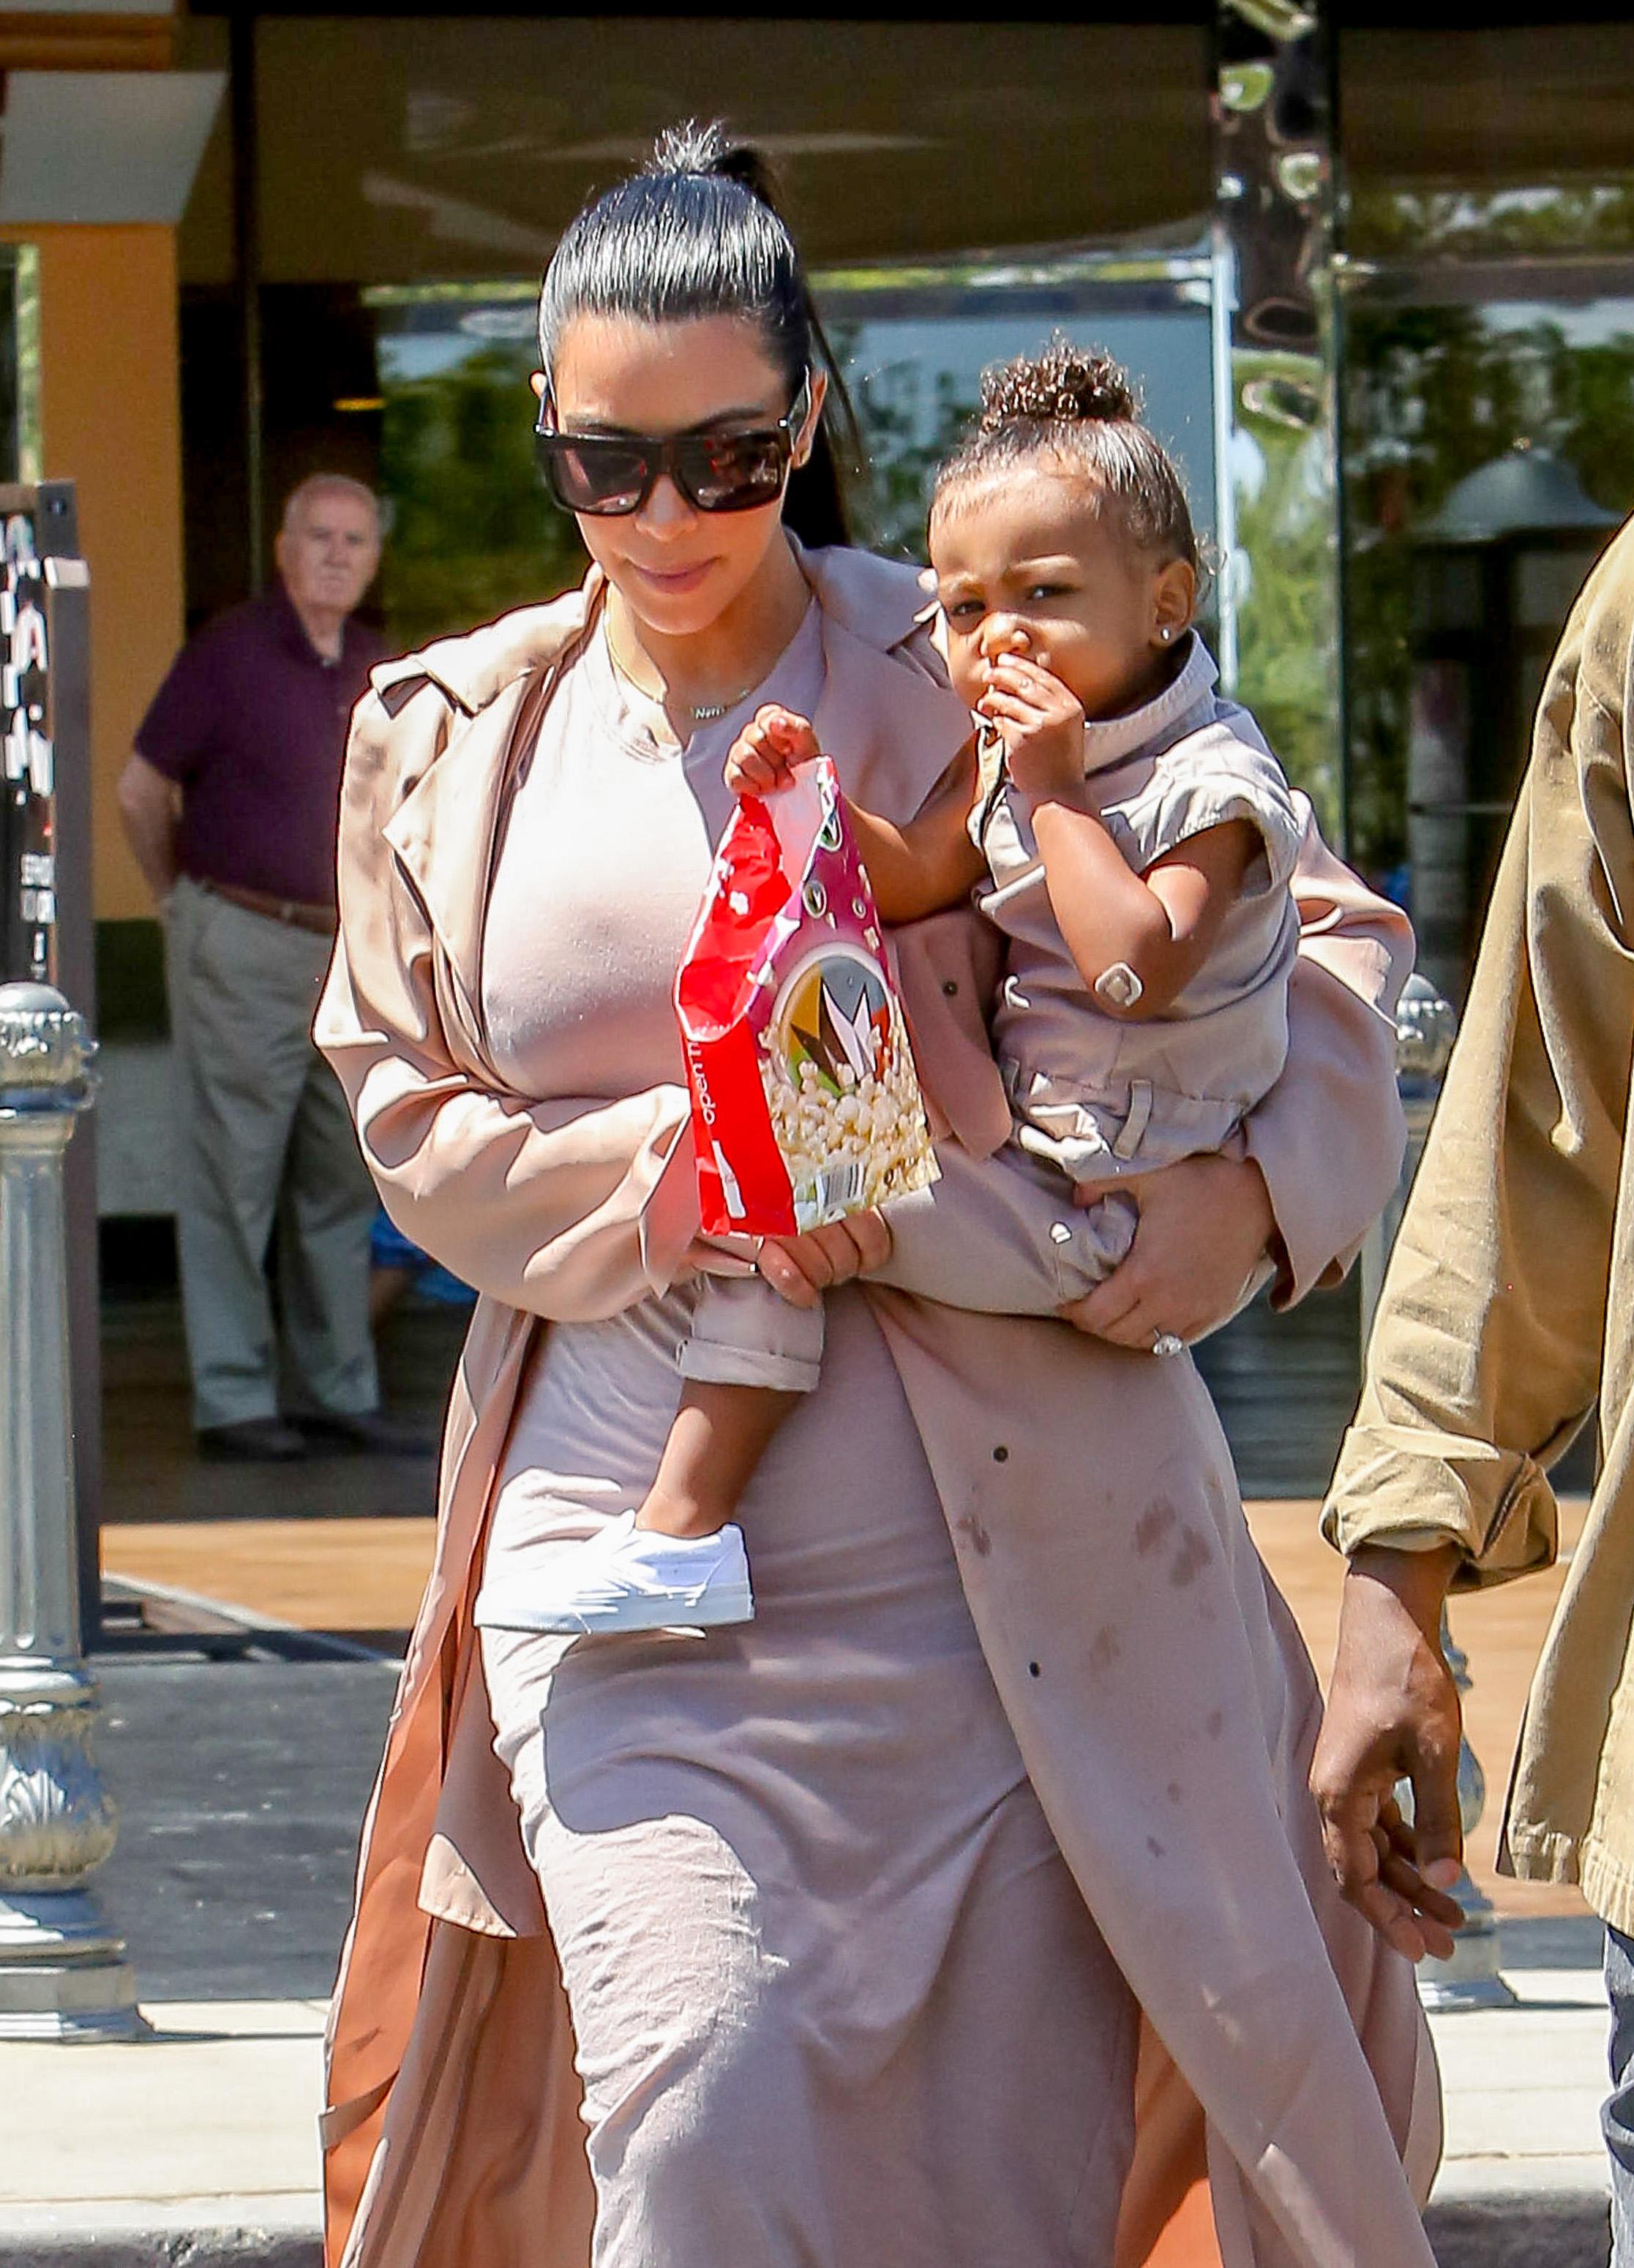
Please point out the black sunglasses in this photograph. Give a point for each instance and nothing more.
(613, 474)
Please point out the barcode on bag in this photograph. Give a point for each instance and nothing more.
(837, 1191)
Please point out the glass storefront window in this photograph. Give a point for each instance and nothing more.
(1490, 452)
(1488, 143)
(481, 135)
(20, 363)
(472, 529)
(433, 147)
(1488, 437)
(913, 350)
(472, 532)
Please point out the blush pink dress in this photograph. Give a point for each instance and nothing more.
(835, 1997)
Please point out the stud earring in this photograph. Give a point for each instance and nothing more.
(1164, 634)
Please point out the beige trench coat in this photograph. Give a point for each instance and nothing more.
(1161, 1698)
(1505, 1316)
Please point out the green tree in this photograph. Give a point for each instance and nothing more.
(473, 531)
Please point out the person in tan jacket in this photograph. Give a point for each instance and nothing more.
(967, 1906)
(1505, 1326)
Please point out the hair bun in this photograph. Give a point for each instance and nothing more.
(1066, 385)
(694, 148)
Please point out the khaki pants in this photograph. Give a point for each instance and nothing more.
(266, 1140)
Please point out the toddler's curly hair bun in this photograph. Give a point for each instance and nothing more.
(1066, 385)
(1078, 407)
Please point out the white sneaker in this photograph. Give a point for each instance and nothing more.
(632, 1578)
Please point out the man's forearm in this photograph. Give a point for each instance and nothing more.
(148, 813)
(153, 846)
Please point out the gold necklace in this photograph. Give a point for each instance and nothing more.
(702, 712)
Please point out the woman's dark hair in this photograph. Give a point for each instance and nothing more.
(1077, 404)
(697, 231)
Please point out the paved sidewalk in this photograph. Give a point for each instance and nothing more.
(1523, 2087)
(242, 1771)
(203, 2136)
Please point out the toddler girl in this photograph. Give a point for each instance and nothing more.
(1128, 831)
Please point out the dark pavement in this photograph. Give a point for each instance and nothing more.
(242, 1781)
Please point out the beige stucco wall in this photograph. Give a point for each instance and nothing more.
(110, 421)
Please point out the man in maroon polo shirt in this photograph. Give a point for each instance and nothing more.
(231, 804)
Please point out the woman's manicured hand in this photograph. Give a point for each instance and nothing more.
(717, 1256)
(803, 1267)
(764, 754)
(1206, 1228)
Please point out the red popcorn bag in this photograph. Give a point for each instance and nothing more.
(805, 1105)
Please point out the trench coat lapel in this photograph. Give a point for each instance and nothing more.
(445, 830)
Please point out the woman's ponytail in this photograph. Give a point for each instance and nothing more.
(698, 232)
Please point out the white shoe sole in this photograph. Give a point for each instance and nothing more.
(724, 1604)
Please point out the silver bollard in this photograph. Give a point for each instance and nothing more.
(63, 1974)
(1425, 1027)
(1470, 1977)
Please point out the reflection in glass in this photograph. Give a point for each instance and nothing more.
(473, 531)
(20, 363)
(1490, 449)
(1273, 234)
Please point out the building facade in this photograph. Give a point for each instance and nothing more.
(1374, 268)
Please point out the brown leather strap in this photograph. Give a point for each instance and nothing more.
(318, 920)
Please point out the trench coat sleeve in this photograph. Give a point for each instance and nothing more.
(1486, 1354)
(569, 1209)
(1328, 1139)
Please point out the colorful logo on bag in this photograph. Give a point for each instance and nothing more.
(833, 1021)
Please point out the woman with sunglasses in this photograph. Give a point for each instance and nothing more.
(838, 1932)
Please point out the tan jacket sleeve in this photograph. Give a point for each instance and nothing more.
(570, 1208)
(1486, 1353)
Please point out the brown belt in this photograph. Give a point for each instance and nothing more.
(291, 912)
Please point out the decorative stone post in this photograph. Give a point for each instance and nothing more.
(64, 1974)
(1425, 1027)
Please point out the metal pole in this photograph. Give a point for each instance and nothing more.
(68, 609)
(242, 70)
(1425, 1027)
(63, 1974)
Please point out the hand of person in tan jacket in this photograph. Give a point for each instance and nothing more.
(1392, 1715)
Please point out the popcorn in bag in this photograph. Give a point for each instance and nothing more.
(805, 1105)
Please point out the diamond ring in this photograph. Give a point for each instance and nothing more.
(1166, 1344)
